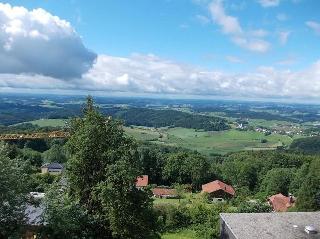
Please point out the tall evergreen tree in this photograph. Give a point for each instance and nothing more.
(102, 172)
(309, 192)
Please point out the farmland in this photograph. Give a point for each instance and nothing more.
(215, 142)
(220, 142)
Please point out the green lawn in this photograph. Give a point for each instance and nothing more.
(183, 234)
(210, 142)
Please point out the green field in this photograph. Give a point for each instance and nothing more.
(49, 122)
(221, 142)
(210, 142)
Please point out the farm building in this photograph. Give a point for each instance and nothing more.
(218, 189)
(281, 203)
(52, 168)
(164, 193)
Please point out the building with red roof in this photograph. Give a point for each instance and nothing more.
(142, 181)
(280, 203)
(218, 189)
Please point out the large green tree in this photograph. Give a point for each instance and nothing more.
(187, 168)
(277, 180)
(56, 154)
(102, 172)
(13, 191)
(309, 192)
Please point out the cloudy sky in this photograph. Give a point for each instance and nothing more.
(209, 48)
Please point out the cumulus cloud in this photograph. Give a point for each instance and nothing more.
(152, 74)
(229, 24)
(250, 40)
(37, 42)
(269, 3)
(315, 26)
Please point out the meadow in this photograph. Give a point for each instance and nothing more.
(220, 142)
(49, 122)
(215, 142)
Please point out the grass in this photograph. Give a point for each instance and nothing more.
(220, 142)
(49, 122)
(183, 234)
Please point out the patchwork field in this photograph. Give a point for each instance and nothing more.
(210, 142)
(221, 142)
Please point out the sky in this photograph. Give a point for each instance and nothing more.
(199, 48)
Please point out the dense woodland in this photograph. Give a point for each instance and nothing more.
(96, 197)
(309, 145)
(173, 118)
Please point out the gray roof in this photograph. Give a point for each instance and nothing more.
(34, 214)
(52, 166)
(272, 225)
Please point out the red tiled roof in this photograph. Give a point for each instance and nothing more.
(217, 185)
(142, 181)
(164, 191)
(280, 203)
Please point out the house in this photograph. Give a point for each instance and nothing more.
(142, 181)
(164, 193)
(280, 203)
(33, 221)
(52, 168)
(218, 189)
(297, 225)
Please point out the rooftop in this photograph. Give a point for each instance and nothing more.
(52, 166)
(217, 185)
(271, 225)
(280, 203)
(142, 181)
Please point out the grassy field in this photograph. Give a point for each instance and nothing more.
(183, 234)
(49, 122)
(207, 143)
(210, 142)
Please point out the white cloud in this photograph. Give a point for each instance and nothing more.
(151, 74)
(229, 24)
(269, 3)
(283, 37)
(315, 26)
(37, 42)
(250, 40)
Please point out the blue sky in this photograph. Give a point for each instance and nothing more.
(218, 42)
